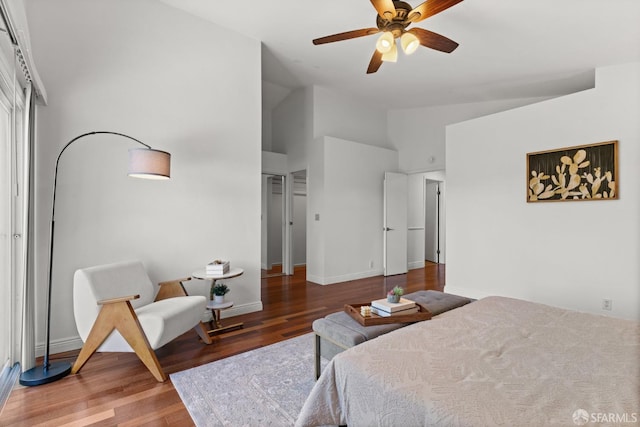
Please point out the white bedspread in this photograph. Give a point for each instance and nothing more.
(497, 361)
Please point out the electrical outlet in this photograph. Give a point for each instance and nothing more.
(606, 304)
(370, 263)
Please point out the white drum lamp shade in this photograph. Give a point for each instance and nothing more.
(149, 163)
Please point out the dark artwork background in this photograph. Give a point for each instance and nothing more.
(601, 155)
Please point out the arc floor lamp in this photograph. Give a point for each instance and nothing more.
(143, 163)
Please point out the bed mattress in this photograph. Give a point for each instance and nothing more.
(497, 361)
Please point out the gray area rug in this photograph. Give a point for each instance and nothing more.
(263, 387)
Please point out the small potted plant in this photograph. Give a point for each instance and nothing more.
(394, 294)
(219, 291)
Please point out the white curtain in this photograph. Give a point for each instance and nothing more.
(15, 49)
(26, 312)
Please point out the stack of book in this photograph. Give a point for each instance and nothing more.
(217, 267)
(384, 308)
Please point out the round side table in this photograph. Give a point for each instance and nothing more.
(215, 307)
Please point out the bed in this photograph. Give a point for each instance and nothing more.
(497, 361)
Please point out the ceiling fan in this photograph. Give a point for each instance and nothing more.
(393, 18)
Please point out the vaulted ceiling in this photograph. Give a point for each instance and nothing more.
(508, 48)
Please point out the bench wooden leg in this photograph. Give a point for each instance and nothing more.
(317, 356)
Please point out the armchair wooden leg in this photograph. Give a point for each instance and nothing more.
(99, 332)
(122, 317)
(203, 332)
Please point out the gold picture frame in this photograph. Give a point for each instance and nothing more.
(582, 172)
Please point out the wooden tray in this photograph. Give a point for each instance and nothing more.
(353, 310)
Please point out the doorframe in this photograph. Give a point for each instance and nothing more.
(285, 219)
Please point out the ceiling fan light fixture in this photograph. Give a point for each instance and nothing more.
(409, 43)
(392, 55)
(385, 42)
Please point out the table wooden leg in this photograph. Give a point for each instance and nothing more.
(217, 323)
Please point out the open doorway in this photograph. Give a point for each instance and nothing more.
(273, 223)
(283, 223)
(434, 221)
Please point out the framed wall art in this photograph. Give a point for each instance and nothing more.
(584, 172)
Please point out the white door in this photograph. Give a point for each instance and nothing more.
(395, 223)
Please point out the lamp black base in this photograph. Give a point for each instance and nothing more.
(39, 375)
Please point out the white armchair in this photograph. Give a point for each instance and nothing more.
(117, 309)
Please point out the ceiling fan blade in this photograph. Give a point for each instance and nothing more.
(346, 35)
(375, 63)
(429, 8)
(385, 8)
(434, 40)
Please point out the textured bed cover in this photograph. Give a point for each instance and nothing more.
(497, 361)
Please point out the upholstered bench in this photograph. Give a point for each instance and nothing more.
(338, 331)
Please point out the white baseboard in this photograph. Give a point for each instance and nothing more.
(60, 346)
(343, 278)
(415, 264)
(237, 310)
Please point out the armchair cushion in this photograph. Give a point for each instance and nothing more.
(161, 321)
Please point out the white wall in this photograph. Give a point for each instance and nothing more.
(274, 163)
(350, 216)
(419, 136)
(292, 127)
(419, 133)
(568, 254)
(144, 69)
(272, 95)
(316, 236)
(306, 127)
(340, 116)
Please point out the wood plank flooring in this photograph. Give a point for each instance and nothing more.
(116, 389)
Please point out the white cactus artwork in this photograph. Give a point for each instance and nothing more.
(586, 172)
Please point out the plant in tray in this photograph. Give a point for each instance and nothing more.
(394, 294)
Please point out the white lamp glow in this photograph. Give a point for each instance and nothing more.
(385, 42)
(409, 43)
(392, 55)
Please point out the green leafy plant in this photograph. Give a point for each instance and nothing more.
(220, 289)
(397, 291)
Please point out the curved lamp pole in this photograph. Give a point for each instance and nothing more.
(143, 163)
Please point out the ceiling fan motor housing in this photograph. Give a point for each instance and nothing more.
(397, 24)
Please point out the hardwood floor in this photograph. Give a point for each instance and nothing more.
(116, 389)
